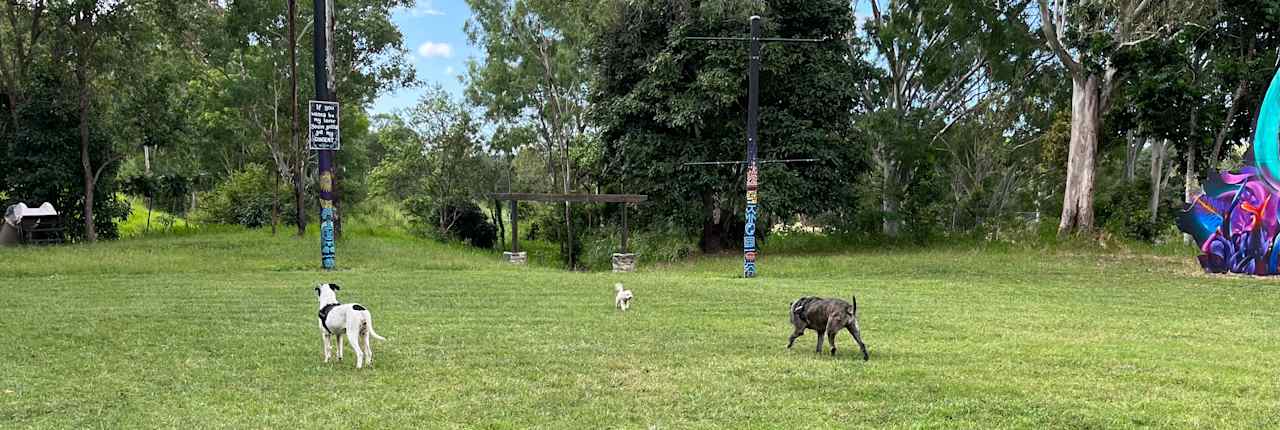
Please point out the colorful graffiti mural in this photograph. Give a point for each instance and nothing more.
(753, 211)
(1234, 219)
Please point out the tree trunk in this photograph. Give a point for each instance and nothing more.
(1159, 155)
(1191, 182)
(275, 203)
(90, 231)
(299, 188)
(146, 159)
(1236, 98)
(1133, 146)
(891, 203)
(1077, 200)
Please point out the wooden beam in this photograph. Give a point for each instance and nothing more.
(572, 198)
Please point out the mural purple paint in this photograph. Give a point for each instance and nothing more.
(1234, 219)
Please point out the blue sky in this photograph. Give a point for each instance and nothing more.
(437, 47)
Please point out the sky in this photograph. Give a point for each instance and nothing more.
(437, 47)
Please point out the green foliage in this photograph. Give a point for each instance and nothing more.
(471, 226)
(438, 169)
(162, 222)
(44, 164)
(668, 245)
(245, 199)
(663, 101)
(1122, 210)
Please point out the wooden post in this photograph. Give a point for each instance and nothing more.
(625, 231)
(515, 228)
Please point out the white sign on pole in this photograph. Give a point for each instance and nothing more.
(324, 126)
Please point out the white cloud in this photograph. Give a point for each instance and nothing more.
(425, 8)
(448, 70)
(435, 50)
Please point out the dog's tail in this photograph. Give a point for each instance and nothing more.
(854, 302)
(617, 287)
(368, 319)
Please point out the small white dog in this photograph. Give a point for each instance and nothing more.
(623, 297)
(350, 319)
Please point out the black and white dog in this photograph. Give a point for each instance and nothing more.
(350, 319)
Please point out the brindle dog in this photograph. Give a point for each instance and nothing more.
(826, 316)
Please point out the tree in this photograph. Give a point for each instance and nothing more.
(437, 166)
(938, 63)
(1097, 31)
(93, 32)
(20, 43)
(662, 101)
(256, 75)
(534, 74)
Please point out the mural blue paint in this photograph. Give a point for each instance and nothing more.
(1234, 219)
(327, 248)
(753, 212)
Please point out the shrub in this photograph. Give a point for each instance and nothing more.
(244, 199)
(473, 226)
(661, 245)
(459, 221)
(1124, 212)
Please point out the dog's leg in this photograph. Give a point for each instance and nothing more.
(833, 328)
(368, 349)
(353, 337)
(792, 340)
(857, 337)
(821, 333)
(325, 338)
(340, 346)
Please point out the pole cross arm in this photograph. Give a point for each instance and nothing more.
(571, 198)
(763, 39)
(721, 163)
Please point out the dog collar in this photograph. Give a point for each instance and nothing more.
(324, 314)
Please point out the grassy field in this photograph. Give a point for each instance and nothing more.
(218, 330)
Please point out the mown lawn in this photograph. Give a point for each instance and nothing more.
(218, 330)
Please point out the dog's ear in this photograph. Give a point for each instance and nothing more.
(334, 287)
(317, 291)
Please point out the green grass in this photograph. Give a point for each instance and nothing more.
(161, 222)
(217, 330)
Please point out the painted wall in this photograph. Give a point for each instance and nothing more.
(1234, 219)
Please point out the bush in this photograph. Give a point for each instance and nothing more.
(663, 245)
(244, 199)
(1124, 212)
(473, 227)
(465, 222)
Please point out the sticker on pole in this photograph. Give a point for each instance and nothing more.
(323, 126)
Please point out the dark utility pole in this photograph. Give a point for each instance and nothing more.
(753, 172)
(749, 251)
(323, 32)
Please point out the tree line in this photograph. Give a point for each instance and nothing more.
(927, 118)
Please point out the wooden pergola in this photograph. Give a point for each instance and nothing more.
(513, 198)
